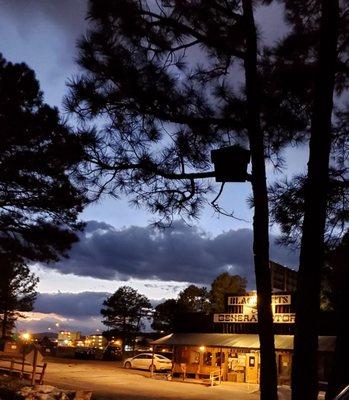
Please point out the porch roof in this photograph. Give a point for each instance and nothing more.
(242, 341)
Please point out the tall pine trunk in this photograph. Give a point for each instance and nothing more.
(268, 374)
(340, 371)
(304, 371)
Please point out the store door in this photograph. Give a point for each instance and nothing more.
(252, 361)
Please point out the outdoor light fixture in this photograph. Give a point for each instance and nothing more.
(202, 348)
(230, 164)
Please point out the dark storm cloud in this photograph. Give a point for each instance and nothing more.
(64, 20)
(66, 15)
(79, 306)
(180, 253)
(72, 305)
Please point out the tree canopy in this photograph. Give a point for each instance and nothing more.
(165, 78)
(155, 147)
(124, 310)
(39, 203)
(225, 284)
(194, 299)
(192, 310)
(17, 292)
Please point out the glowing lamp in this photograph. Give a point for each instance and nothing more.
(26, 336)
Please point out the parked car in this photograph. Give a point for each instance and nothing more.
(85, 353)
(144, 361)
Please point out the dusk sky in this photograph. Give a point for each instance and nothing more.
(118, 246)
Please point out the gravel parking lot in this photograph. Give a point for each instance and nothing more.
(108, 380)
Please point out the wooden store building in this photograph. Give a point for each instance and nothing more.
(234, 355)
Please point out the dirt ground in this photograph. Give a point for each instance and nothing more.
(108, 380)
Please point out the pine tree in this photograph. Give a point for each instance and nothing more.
(123, 312)
(313, 58)
(39, 203)
(17, 292)
(162, 77)
(194, 299)
(337, 262)
(223, 285)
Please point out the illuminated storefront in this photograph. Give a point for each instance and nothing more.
(234, 354)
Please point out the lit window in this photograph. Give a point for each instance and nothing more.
(208, 358)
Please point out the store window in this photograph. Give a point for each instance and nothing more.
(220, 359)
(207, 358)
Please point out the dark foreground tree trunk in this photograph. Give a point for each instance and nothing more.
(339, 260)
(304, 371)
(268, 376)
(340, 374)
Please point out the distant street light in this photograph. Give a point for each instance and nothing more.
(26, 336)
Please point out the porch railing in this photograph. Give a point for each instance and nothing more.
(215, 377)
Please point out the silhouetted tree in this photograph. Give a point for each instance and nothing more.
(194, 299)
(163, 77)
(338, 266)
(314, 57)
(225, 284)
(39, 204)
(167, 315)
(193, 308)
(17, 293)
(123, 312)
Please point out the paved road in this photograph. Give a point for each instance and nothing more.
(108, 380)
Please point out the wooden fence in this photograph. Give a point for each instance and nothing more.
(31, 366)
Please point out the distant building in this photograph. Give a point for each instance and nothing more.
(283, 279)
(68, 338)
(96, 341)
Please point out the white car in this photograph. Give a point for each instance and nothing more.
(144, 361)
